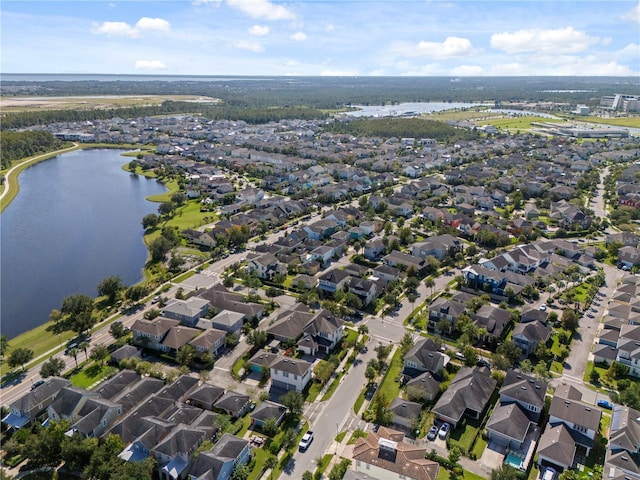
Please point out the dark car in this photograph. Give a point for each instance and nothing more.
(433, 433)
(605, 404)
(37, 384)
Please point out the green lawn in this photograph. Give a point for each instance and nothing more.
(92, 374)
(341, 436)
(260, 454)
(314, 391)
(444, 474)
(464, 435)
(323, 464)
(390, 385)
(359, 401)
(184, 276)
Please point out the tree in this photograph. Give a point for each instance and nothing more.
(370, 373)
(135, 293)
(117, 330)
(20, 356)
(570, 319)
(509, 350)
(541, 370)
(4, 345)
(363, 329)
(270, 426)
(99, 354)
(323, 371)
(470, 355)
(178, 198)
(294, 401)
(406, 343)
(110, 287)
(185, 354)
(79, 308)
(307, 475)
(228, 281)
(257, 338)
(504, 472)
(270, 463)
(158, 248)
(150, 220)
(73, 352)
(52, 368)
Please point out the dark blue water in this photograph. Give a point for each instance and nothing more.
(75, 221)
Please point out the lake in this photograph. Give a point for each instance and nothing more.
(76, 220)
(407, 108)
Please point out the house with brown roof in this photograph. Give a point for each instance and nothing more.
(290, 373)
(385, 454)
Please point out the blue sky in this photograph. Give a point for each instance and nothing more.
(316, 37)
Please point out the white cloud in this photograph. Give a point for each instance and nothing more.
(450, 48)
(150, 65)
(252, 46)
(559, 41)
(299, 36)
(116, 29)
(259, 30)
(631, 52)
(155, 24)
(633, 15)
(292, 63)
(123, 29)
(468, 71)
(262, 9)
(329, 27)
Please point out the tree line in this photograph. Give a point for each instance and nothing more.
(17, 145)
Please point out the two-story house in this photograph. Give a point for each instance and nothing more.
(187, 312)
(266, 266)
(290, 373)
(333, 280)
(219, 462)
(32, 406)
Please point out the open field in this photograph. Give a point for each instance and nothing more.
(632, 122)
(518, 123)
(23, 104)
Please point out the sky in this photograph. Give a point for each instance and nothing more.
(318, 37)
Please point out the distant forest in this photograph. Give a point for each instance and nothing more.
(260, 100)
(332, 92)
(402, 127)
(17, 145)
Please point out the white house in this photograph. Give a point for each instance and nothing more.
(290, 374)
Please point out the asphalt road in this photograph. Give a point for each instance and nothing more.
(327, 419)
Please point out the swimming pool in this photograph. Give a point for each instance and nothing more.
(514, 460)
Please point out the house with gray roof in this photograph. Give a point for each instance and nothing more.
(622, 459)
(210, 341)
(219, 462)
(205, 396)
(290, 373)
(556, 448)
(425, 385)
(529, 335)
(175, 452)
(150, 333)
(508, 425)
(177, 337)
(405, 414)
(233, 403)
(32, 405)
(581, 419)
(222, 299)
(468, 394)
(525, 390)
(424, 356)
(228, 321)
(265, 411)
(188, 311)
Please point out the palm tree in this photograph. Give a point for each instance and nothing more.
(74, 353)
(429, 283)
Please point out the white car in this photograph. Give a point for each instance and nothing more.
(549, 474)
(307, 438)
(543, 307)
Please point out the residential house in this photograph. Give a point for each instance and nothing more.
(386, 274)
(205, 396)
(403, 260)
(556, 448)
(386, 455)
(468, 394)
(211, 341)
(188, 312)
(266, 266)
(177, 337)
(175, 452)
(374, 249)
(629, 256)
(233, 404)
(529, 335)
(365, 289)
(265, 411)
(219, 462)
(426, 384)
(622, 459)
(425, 356)
(437, 247)
(406, 414)
(493, 319)
(508, 426)
(228, 321)
(32, 406)
(333, 280)
(151, 333)
(581, 419)
(290, 374)
(525, 390)
(448, 309)
(222, 299)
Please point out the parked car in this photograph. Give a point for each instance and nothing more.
(156, 299)
(605, 404)
(307, 438)
(543, 307)
(37, 384)
(444, 429)
(483, 363)
(433, 433)
(549, 474)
